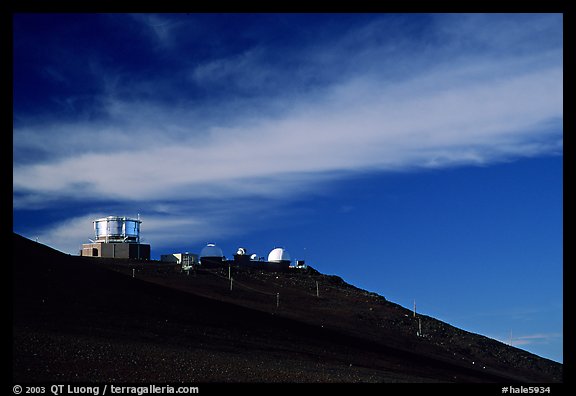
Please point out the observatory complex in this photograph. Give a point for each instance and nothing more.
(117, 237)
(211, 256)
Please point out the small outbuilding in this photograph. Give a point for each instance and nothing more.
(185, 259)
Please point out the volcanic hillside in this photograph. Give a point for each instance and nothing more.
(94, 319)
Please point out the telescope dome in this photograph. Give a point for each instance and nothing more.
(278, 255)
(211, 250)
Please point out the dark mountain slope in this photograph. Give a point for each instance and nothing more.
(87, 319)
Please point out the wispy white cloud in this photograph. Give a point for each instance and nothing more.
(540, 338)
(530, 339)
(475, 123)
(161, 28)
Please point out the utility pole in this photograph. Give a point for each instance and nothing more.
(133, 270)
(414, 307)
(277, 300)
(231, 284)
(317, 291)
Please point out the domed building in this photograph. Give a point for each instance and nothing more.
(211, 255)
(279, 258)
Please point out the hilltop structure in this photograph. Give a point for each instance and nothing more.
(117, 237)
(211, 256)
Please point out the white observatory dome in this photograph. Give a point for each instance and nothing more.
(278, 255)
(211, 250)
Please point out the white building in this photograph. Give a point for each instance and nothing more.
(185, 259)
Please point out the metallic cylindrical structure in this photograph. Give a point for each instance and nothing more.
(117, 229)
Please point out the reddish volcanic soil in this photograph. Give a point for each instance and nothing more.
(88, 319)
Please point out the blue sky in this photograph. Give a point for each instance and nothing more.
(418, 156)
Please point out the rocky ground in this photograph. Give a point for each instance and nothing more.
(104, 320)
